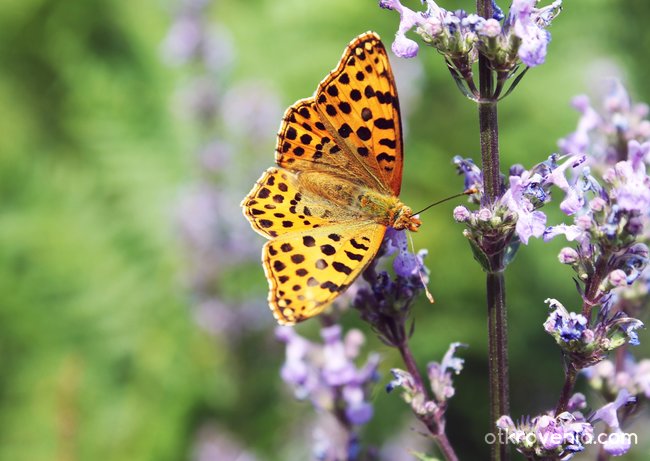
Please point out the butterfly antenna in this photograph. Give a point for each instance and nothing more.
(470, 191)
(420, 271)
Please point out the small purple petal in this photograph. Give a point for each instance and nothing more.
(461, 214)
(404, 47)
(531, 225)
(568, 255)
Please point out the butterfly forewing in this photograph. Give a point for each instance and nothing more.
(305, 144)
(358, 102)
(307, 270)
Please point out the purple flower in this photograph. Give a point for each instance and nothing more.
(403, 46)
(406, 264)
(631, 184)
(527, 23)
(633, 376)
(617, 442)
(578, 141)
(386, 303)
(440, 380)
(295, 370)
(326, 373)
(358, 410)
(605, 135)
(461, 214)
(567, 326)
(568, 256)
(528, 191)
(472, 174)
(586, 343)
(337, 367)
(440, 374)
(548, 436)
(618, 278)
(401, 379)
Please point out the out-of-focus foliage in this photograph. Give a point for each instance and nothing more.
(100, 355)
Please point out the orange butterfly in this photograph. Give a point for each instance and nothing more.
(325, 208)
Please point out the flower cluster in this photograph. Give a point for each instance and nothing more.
(633, 377)
(430, 410)
(386, 303)
(586, 343)
(491, 230)
(326, 375)
(561, 436)
(610, 223)
(611, 220)
(506, 41)
(616, 444)
(550, 436)
(605, 135)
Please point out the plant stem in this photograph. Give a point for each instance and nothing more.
(445, 447)
(498, 358)
(411, 366)
(496, 295)
(570, 377)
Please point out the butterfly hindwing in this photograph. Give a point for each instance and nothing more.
(307, 270)
(358, 103)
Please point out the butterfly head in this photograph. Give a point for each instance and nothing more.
(404, 219)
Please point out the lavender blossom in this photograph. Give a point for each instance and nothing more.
(521, 37)
(528, 25)
(386, 303)
(587, 343)
(617, 443)
(548, 436)
(605, 135)
(611, 219)
(430, 411)
(516, 213)
(440, 374)
(326, 374)
(633, 377)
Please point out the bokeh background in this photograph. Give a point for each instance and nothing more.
(133, 322)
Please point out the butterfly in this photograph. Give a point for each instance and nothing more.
(326, 205)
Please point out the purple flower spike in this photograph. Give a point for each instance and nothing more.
(337, 369)
(471, 172)
(327, 375)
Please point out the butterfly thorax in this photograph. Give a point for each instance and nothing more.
(365, 202)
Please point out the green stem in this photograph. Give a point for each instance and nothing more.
(495, 282)
(498, 358)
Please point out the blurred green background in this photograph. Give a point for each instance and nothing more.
(130, 328)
